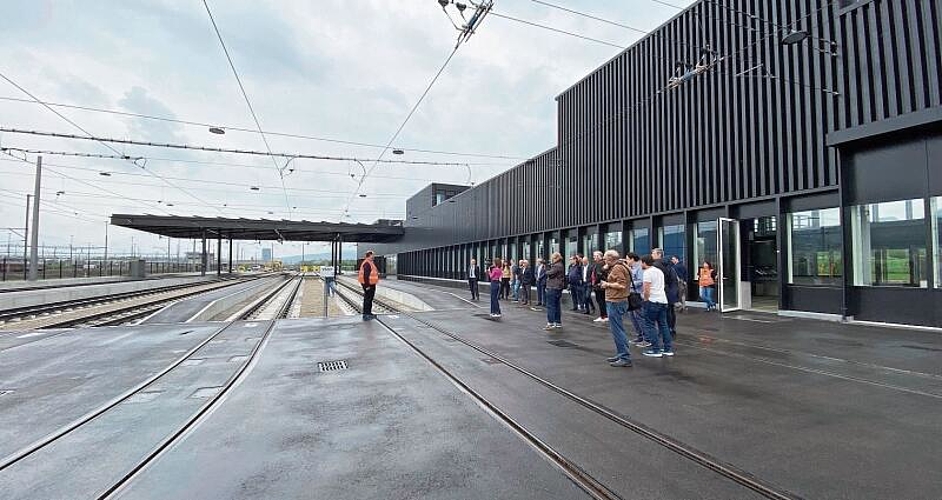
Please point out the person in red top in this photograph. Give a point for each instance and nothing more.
(368, 276)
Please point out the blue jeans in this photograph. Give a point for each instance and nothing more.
(706, 293)
(616, 310)
(495, 292)
(515, 286)
(638, 323)
(576, 292)
(541, 292)
(553, 313)
(655, 325)
(587, 302)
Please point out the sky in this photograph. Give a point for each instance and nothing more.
(332, 69)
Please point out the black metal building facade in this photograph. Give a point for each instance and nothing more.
(824, 159)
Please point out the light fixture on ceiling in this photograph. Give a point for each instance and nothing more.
(217, 130)
(254, 188)
(104, 174)
(398, 152)
(362, 195)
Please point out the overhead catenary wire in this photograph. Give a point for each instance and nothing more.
(80, 181)
(248, 103)
(90, 135)
(250, 152)
(253, 131)
(402, 125)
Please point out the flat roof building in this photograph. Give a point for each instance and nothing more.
(809, 172)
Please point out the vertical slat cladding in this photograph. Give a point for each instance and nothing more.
(864, 74)
(877, 65)
(917, 50)
(722, 171)
(892, 60)
(931, 20)
(904, 69)
(806, 147)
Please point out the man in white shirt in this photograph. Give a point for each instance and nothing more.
(654, 311)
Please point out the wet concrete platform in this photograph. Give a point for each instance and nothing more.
(819, 410)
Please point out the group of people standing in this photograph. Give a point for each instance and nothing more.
(648, 289)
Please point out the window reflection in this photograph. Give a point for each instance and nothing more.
(889, 244)
(815, 250)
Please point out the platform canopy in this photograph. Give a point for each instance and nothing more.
(260, 229)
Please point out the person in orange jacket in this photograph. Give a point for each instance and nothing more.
(368, 276)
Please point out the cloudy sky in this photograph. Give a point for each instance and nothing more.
(332, 69)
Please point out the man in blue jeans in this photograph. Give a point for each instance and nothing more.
(616, 303)
(655, 311)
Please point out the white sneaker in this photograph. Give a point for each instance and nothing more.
(549, 326)
(557, 325)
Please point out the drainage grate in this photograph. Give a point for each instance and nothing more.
(562, 343)
(332, 366)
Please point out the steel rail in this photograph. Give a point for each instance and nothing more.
(743, 478)
(50, 438)
(204, 410)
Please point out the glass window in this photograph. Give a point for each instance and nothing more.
(589, 244)
(554, 245)
(640, 240)
(889, 244)
(613, 240)
(525, 254)
(673, 241)
(704, 248)
(512, 253)
(936, 218)
(572, 246)
(540, 250)
(815, 253)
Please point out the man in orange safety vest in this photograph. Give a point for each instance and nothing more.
(368, 276)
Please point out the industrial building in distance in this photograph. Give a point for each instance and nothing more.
(799, 149)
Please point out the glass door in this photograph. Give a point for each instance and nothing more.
(727, 272)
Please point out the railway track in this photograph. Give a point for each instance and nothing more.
(230, 334)
(591, 485)
(139, 304)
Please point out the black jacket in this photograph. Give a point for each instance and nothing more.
(671, 287)
(477, 272)
(600, 275)
(526, 276)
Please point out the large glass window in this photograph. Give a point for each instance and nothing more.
(889, 244)
(612, 240)
(572, 245)
(553, 246)
(704, 248)
(512, 253)
(936, 217)
(640, 240)
(673, 240)
(589, 244)
(815, 253)
(540, 249)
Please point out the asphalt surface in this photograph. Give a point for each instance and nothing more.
(184, 310)
(816, 409)
(387, 427)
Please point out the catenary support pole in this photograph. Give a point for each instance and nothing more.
(218, 254)
(204, 259)
(230, 255)
(34, 247)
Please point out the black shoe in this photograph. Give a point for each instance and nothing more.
(622, 363)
